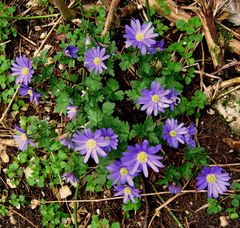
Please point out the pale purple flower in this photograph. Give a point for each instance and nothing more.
(157, 46)
(70, 177)
(128, 192)
(67, 142)
(22, 139)
(72, 111)
(141, 157)
(23, 69)
(173, 96)
(33, 95)
(189, 137)
(215, 179)
(109, 135)
(174, 133)
(94, 58)
(140, 36)
(71, 51)
(90, 144)
(120, 173)
(154, 100)
(88, 40)
(173, 188)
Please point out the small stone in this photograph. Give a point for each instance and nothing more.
(65, 192)
(223, 221)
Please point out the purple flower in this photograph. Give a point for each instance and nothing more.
(215, 179)
(141, 157)
(140, 36)
(22, 139)
(90, 144)
(128, 192)
(67, 142)
(33, 95)
(23, 69)
(109, 135)
(189, 137)
(173, 188)
(157, 46)
(72, 111)
(71, 51)
(94, 59)
(173, 96)
(174, 133)
(88, 40)
(120, 173)
(154, 100)
(70, 177)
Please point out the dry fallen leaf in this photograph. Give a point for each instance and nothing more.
(233, 144)
(65, 192)
(223, 221)
(28, 172)
(3, 153)
(34, 203)
(10, 184)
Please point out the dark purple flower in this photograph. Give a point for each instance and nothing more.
(94, 59)
(33, 95)
(141, 157)
(120, 173)
(173, 188)
(23, 69)
(140, 36)
(22, 139)
(173, 96)
(70, 177)
(71, 51)
(90, 144)
(128, 192)
(67, 142)
(189, 137)
(215, 179)
(157, 46)
(174, 133)
(109, 135)
(72, 111)
(154, 100)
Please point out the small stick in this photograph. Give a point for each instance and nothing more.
(20, 215)
(110, 16)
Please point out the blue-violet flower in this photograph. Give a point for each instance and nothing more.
(23, 69)
(72, 111)
(90, 144)
(94, 58)
(109, 135)
(141, 157)
(215, 179)
(33, 95)
(140, 36)
(173, 96)
(154, 100)
(128, 192)
(71, 51)
(70, 177)
(174, 133)
(173, 188)
(157, 46)
(189, 137)
(22, 139)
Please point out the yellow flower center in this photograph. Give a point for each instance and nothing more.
(73, 109)
(123, 171)
(107, 138)
(142, 157)
(24, 137)
(25, 71)
(97, 61)
(211, 178)
(91, 143)
(173, 133)
(127, 191)
(139, 36)
(155, 98)
(29, 92)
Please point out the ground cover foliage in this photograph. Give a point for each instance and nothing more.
(109, 129)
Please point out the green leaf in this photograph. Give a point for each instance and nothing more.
(108, 108)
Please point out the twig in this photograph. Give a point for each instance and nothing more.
(20, 215)
(110, 16)
(147, 206)
(9, 105)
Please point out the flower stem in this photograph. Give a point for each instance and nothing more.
(75, 206)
